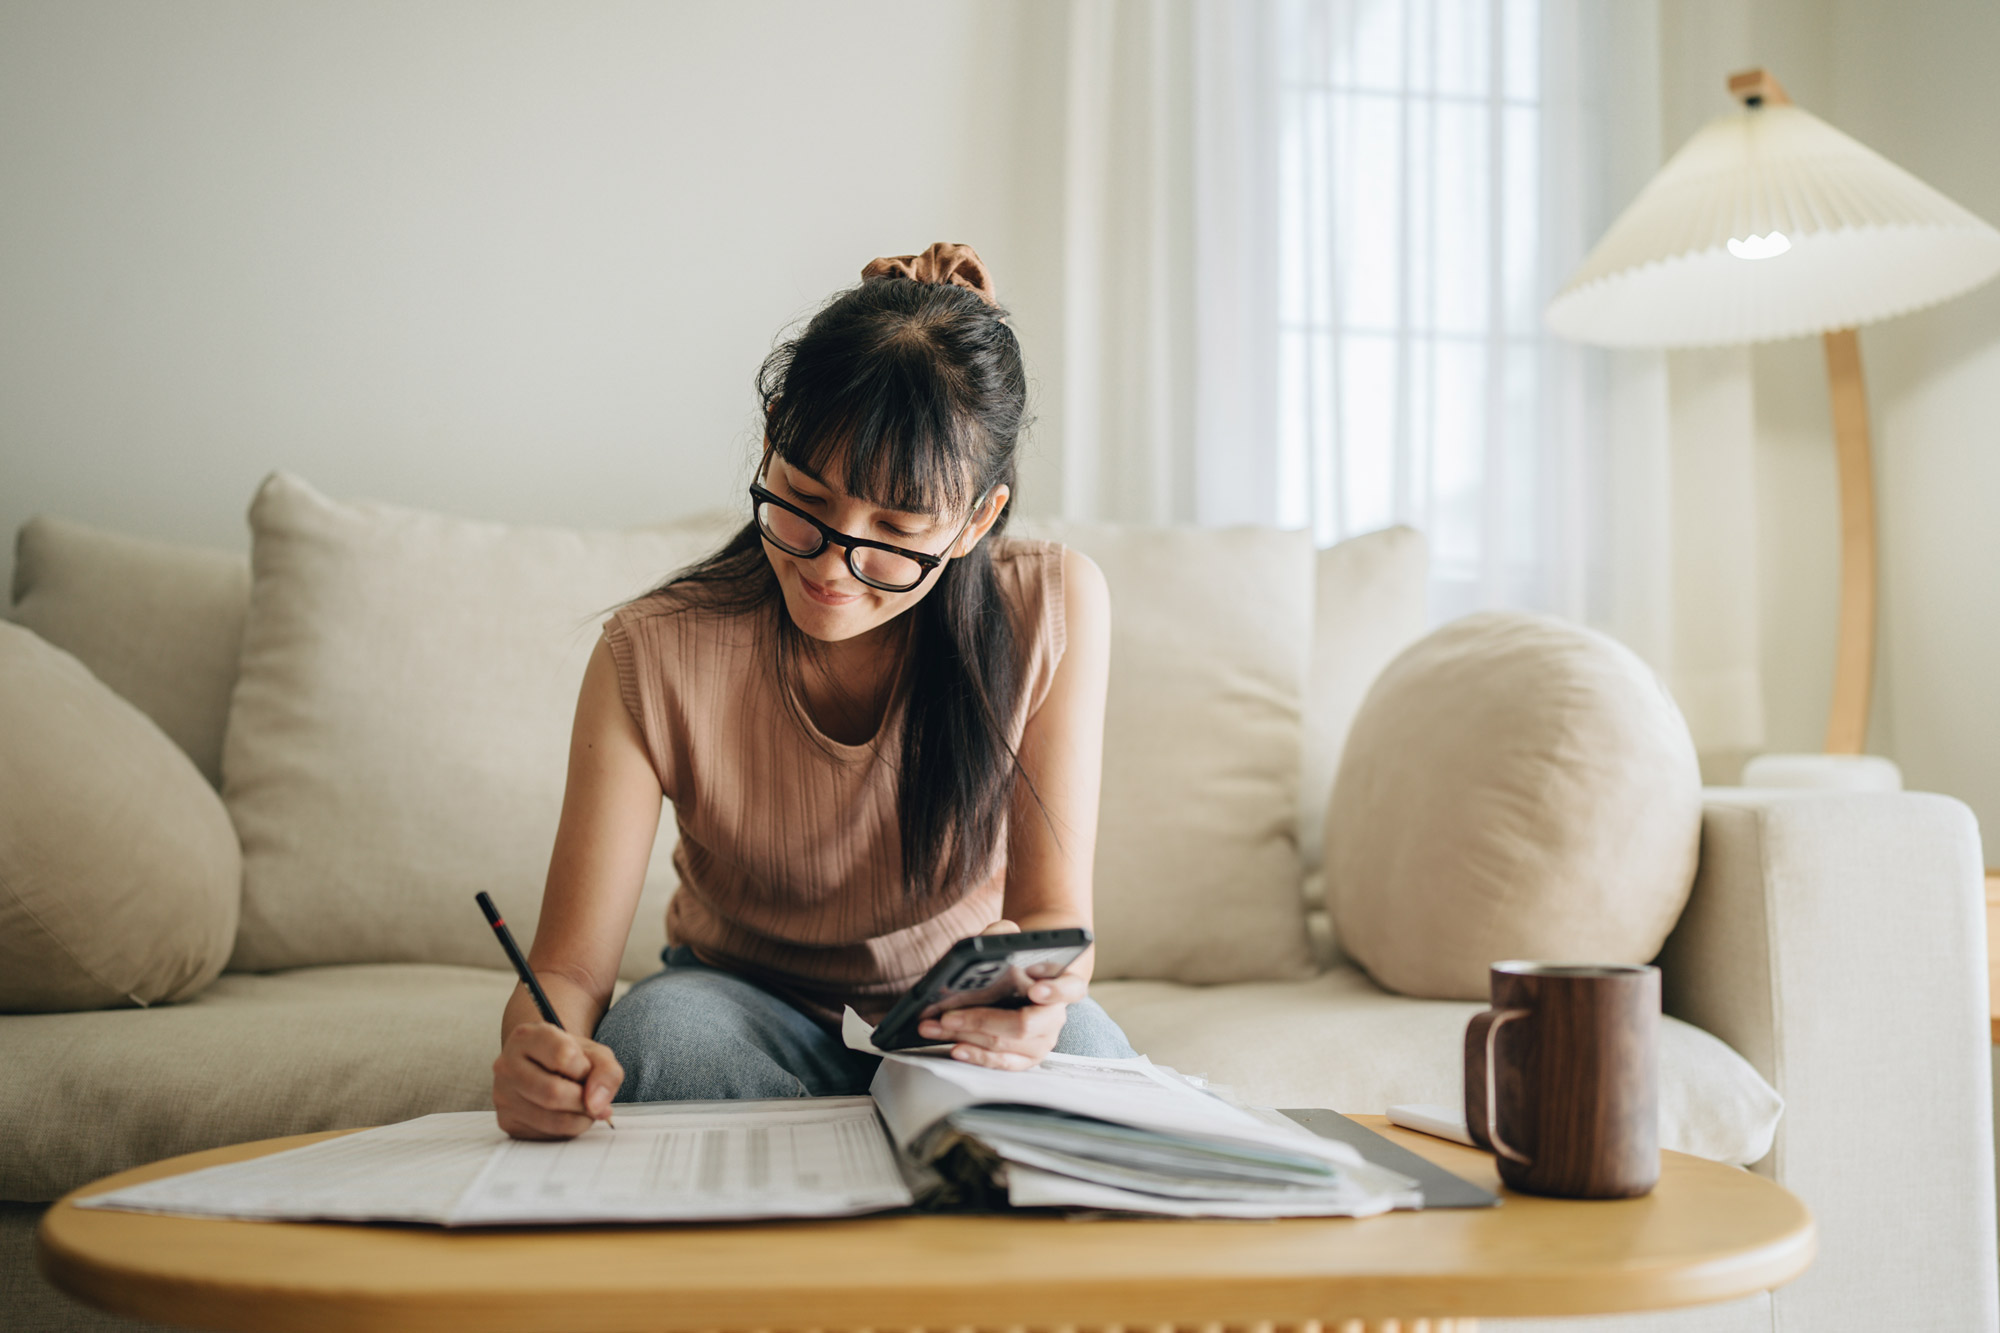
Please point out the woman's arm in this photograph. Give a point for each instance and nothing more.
(550, 1082)
(1051, 843)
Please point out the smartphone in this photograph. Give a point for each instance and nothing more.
(985, 971)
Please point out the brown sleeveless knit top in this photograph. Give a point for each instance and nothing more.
(790, 854)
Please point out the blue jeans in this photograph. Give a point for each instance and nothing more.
(691, 1032)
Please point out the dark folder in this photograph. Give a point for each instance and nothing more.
(1441, 1189)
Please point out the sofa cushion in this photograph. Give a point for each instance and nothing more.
(160, 624)
(399, 735)
(252, 1057)
(1340, 1042)
(1370, 595)
(1197, 871)
(1515, 786)
(119, 872)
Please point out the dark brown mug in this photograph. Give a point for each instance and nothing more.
(1562, 1078)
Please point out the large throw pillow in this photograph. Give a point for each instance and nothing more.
(399, 735)
(1197, 873)
(160, 624)
(1514, 787)
(1369, 593)
(119, 872)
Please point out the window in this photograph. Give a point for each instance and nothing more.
(1414, 382)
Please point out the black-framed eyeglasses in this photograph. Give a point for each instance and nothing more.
(877, 564)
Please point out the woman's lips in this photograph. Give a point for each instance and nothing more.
(826, 597)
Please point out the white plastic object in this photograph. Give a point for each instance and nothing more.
(1443, 1122)
(1824, 772)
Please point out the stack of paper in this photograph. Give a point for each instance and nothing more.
(1104, 1134)
(1122, 1134)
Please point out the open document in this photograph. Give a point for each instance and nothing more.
(666, 1161)
(1125, 1135)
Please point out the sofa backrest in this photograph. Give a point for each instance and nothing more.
(160, 624)
(1197, 876)
(1239, 659)
(1370, 602)
(399, 733)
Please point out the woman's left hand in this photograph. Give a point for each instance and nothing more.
(1009, 1038)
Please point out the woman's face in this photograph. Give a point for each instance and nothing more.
(826, 601)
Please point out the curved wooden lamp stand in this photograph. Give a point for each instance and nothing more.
(1854, 658)
(1854, 664)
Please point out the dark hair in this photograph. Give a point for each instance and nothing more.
(910, 395)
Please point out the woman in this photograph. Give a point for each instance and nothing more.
(879, 723)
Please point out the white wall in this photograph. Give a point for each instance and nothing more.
(515, 260)
(1916, 83)
(521, 260)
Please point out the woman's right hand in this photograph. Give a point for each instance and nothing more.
(551, 1084)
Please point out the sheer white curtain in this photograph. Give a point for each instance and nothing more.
(1169, 270)
(1443, 167)
(1307, 243)
(1441, 170)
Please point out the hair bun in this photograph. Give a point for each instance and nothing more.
(946, 263)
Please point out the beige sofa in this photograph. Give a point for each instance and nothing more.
(383, 706)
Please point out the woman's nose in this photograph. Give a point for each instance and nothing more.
(829, 564)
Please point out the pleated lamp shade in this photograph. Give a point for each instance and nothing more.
(1769, 223)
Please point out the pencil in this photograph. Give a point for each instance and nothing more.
(520, 962)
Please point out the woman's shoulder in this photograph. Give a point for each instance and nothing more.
(1030, 574)
(678, 625)
(1029, 569)
(1027, 556)
(1015, 544)
(656, 605)
(644, 616)
(1036, 568)
(688, 602)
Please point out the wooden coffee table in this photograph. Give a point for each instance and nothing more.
(1708, 1233)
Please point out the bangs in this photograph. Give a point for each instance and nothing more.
(882, 427)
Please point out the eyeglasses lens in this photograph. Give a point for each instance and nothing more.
(883, 569)
(788, 530)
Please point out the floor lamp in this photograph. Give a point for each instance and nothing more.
(1768, 224)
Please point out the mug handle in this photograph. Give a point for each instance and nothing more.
(1482, 1111)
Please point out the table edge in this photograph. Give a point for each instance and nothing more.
(1192, 1299)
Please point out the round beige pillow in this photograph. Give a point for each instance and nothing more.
(120, 875)
(1515, 786)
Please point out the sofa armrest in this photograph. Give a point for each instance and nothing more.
(1838, 942)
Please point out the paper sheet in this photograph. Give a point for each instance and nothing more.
(858, 1034)
(707, 1164)
(813, 1157)
(1028, 1187)
(411, 1172)
(917, 1093)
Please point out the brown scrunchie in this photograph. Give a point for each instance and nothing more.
(946, 263)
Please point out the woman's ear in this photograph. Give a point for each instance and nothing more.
(982, 523)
